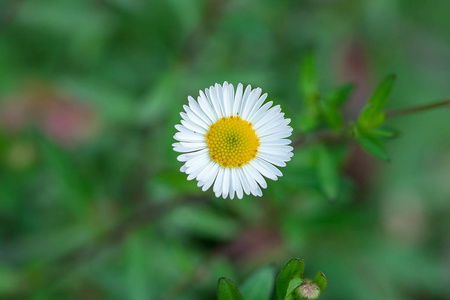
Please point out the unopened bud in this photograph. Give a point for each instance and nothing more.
(308, 290)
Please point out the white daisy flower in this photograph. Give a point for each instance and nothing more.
(232, 141)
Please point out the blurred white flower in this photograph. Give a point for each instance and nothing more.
(230, 139)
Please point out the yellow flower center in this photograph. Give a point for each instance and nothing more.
(232, 142)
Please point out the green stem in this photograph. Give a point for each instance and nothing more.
(416, 109)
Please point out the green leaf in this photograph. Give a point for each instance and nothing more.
(75, 188)
(308, 77)
(339, 96)
(327, 173)
(260, 285)
(227, 290)
(308, 121)
(371, 118)
(321, 281)
(293, 284)
(331, 115)
(373, 146)
(379, 97)
(384, 133)
(292, 270)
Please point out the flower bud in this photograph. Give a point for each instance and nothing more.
(308, 290)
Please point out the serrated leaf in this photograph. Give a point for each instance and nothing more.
(293, 269)
(227, 290)
(339, 96)
(327, 173)
(373, 146)
(321, 281)
(308, 77)
(293, 284)
(259, 286)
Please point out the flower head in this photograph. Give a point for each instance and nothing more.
(231, 141)
(308, 290)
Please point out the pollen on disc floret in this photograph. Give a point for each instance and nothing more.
(232, 142)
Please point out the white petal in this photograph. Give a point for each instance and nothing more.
(236, 183)
(187, 156)
(275, 149)
(193, 144)
(237, 99)
(193, 127)
(247, 92)
(181, 149)
(261, 112)
(211, 94)
(212, 175)
(277, 136)
(254, 96)
(207, 107)
(226, 183)
(219, 96)
(271, 113)
(194, 118)
(199, 168)
(195, 107)
(189, 137)
(257, 176)
(263, 170)
(218, 183)
(277, 142)
(227, 102)
(203, 175)
(244, 182)
(194, 159)
(272, 159)
(256, 107)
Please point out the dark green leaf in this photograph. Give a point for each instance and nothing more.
(339, 96)
(227, 290)
(327, 173)
(308, 77)
(293, 269)
(321, 281)
(260, 285)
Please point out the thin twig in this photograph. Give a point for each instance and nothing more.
(416, 109)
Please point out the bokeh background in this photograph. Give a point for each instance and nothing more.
(92, 203)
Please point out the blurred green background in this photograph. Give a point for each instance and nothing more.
(92, 203)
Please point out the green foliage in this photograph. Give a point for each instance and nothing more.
(321, 281)
(366, 131)
(331, 103)
(259, 286)
(290, 278)
(327, 172)
(92, 202)
(227, 290)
